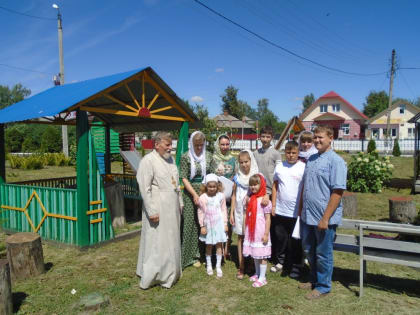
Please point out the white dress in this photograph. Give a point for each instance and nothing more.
(241, 193)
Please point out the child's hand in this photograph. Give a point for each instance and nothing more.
(203, 230)
(265, 239)
(232, 220)
(226, 228)
(273, 211)
(246, 200)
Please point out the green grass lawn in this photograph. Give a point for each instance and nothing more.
(110, 270)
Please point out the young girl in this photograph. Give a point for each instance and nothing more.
(306, 146)
(257, 230)
(212, 216)
(247, 167)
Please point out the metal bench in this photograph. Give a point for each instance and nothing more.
(377, 249)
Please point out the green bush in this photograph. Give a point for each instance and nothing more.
(49, 159)
(33, 162)
(368, 173)
(396, 150)
(61, 159)
(371, 146)
(15, 161)
(14, 138)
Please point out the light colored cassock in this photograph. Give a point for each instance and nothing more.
(159, 261)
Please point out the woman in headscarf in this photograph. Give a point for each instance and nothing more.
(224, 164)
(306, 146)
(194, 165)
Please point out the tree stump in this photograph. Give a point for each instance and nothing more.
(25, 256)
(402, 209)
(349, 201)
(6, 304)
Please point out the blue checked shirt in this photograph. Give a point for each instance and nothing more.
(324, 173)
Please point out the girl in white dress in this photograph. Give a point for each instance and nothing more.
(212, 216)
(247, 167)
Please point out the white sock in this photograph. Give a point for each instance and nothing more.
(208, 260)
(263, 269)
(218, 261)
(257, 266)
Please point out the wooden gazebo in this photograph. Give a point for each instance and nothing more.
(75, 210)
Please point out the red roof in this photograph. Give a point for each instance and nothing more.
(332, 94)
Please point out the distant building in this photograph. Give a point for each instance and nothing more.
(333, 110)
(401, 113)
(235, 124)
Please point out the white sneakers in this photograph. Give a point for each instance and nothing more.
(276, 268)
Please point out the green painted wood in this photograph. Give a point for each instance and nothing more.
(55, 201)
(2, 155)
(107, 149)
(82, 135)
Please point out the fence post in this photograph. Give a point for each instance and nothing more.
(2, 155)
(82, 128)
(107, 158)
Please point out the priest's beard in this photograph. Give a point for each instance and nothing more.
(166, 155)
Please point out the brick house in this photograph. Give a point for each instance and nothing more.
(333, 110)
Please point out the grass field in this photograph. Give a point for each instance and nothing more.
(110, 270)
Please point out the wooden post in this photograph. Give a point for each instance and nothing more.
(107, 158)
(82, 134)
(2, 155)
(25, 256)
(6, 305)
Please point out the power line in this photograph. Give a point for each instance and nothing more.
(24, 69)
(27, 15)
(283, 48)
(406, 83)
(410, 68)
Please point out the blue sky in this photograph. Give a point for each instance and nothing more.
(199, 54)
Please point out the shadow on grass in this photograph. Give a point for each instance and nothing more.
(18, 298)
(400, 183)
(348, 277)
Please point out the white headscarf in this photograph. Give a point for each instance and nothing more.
(243, 179)
(194, 158)
(210, 178)
(312, 150)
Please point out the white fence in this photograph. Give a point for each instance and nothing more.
(352, 146)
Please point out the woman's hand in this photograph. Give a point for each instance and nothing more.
(203, 230)
(232, 219)
(196, 200)
(226, 228)
(265, 200)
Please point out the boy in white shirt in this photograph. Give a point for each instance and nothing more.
(286, 192)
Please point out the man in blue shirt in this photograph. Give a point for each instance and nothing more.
(324, 182)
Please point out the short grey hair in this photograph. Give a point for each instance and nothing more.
(160, 135)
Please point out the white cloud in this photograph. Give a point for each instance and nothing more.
(196, 99)
(297, 98)
(219, 70)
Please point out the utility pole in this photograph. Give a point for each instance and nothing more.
(61, 75)
(388, 120)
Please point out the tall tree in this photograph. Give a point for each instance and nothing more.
(236, 107)
(9, 96)
(308, 100)
(375, 103)
(267, 118)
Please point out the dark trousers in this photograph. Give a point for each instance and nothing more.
(285, 245)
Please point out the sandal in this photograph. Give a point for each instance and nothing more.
(253, 278)
(239, 275)
(259, 284)
(219, 272)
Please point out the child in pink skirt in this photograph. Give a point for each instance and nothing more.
(257, 230)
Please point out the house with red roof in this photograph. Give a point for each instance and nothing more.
(333, 110)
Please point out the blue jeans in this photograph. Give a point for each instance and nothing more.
(318, 248)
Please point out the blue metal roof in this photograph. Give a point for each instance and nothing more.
(59, 98)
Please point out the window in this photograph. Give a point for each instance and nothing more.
(402, 109)
(393, 132)
(410, 132)
(375, 133)
(335, 107)
(313, 127)
(346, 129)
(323, 108)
